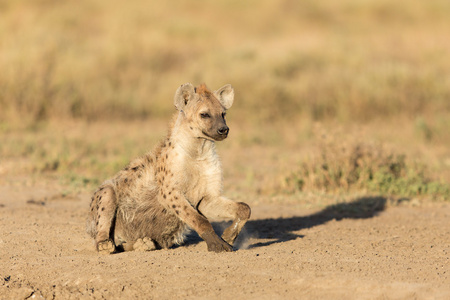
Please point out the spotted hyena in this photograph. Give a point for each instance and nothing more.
(153, 201)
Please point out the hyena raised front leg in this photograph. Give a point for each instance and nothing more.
(198, 222)
(104, 204)
(225, 208)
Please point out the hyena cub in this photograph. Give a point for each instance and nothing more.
(151, 203)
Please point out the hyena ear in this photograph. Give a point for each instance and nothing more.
(225, 95)
(183, 95)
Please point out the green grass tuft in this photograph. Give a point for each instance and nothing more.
(341, 167)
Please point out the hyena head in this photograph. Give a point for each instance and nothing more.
(204, 110)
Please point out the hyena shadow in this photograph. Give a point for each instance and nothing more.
(278, 230)
(284, 229)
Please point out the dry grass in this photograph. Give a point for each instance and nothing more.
(349, 60)
(108, 66)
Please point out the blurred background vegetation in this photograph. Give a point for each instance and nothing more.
(78, 77)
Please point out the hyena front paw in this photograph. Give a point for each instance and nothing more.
(144, 244)
(216, 243)
(106, 247)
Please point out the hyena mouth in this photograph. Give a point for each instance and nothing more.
(216, 137)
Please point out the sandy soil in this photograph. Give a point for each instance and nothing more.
(362, 250)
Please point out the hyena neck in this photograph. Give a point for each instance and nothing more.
(195, 147)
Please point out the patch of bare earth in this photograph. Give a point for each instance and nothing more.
(285, 252)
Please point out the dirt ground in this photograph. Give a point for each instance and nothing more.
(365, 249)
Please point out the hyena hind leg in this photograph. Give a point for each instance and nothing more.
(144, 244)
(105, 206)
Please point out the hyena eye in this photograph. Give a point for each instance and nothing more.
(223, 115)
(205, 115)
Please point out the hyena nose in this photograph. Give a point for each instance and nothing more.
(223, 130)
